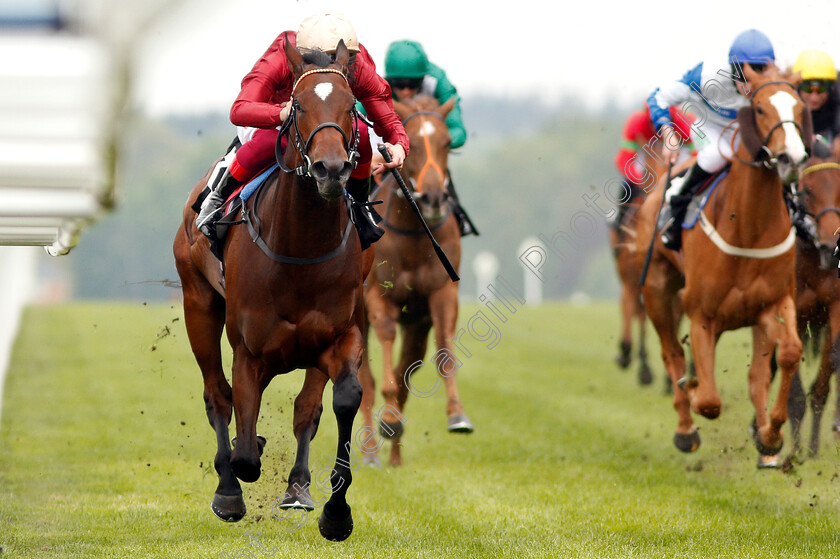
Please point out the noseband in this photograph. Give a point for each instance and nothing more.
(351, 145)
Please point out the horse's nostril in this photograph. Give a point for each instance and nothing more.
(784, 159)
(318, 170)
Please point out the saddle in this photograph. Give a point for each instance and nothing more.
(701, 198)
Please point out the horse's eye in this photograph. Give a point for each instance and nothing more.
(759, 110)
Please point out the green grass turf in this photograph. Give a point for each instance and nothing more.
(105, 451)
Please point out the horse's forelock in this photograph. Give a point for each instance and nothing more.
(321, 59)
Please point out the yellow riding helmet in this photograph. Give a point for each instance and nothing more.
(324, 31)
(815, 65)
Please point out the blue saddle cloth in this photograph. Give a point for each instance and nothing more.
(699, 202)
(257, 182)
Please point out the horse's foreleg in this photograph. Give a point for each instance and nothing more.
(759, 386)
(204, 312)
(415, 337)
(645, 375)
(443, 307)
(382, 316)
(830, 356)
(248, 385)
(341, 363)
(704, 396)
(308, 408)
(777, 324)
(660, 304)
(369, 446)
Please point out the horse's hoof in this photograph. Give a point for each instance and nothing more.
(687, 442)
(297, 500)
(391, 430)
(765, 450)
(460, 424)
(371, 459)
(645, 376)
(333, 529)
(260, 443)
(768, 462)
(623, 358)
(230, 508)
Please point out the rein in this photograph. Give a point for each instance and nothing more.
(254, 224)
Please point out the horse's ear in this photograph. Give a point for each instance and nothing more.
(444, 109)
(751, 75)
(403, 110)
(294, 57)
(749, 131)
(342, 56)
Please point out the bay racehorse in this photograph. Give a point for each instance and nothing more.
(408, 286)
(818, 292)
(290, 296)
(736, 268)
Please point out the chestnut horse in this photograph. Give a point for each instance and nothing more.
(818, 292)
(623, 244)
(408, 285)
(290, 296)
(736, 269)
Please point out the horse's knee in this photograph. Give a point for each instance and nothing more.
(789, 354)
(347, 396)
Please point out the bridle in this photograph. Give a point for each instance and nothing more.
(820, 246)
(765, 157)
(417, 184)
(251, 218)
(351, 144)
(430, 160)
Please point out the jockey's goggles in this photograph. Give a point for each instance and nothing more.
(405, 83)
(814, 86)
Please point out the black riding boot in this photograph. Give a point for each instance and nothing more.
(676, 205)
(465, 224)
(363, 215)
(212, 204)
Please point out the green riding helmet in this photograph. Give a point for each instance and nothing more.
(406, 59)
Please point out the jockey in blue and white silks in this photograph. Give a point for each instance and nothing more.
(713, 92)
(708, 92)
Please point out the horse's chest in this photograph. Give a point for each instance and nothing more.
(293, 340)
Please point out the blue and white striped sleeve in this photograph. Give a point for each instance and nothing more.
(673, 94)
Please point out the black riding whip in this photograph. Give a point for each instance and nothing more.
(655, 225)
(453, 275)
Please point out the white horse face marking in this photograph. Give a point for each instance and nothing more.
(784, 103)
(323, 90)
(428, 129)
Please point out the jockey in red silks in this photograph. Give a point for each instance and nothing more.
(264, 101)
(637, 149)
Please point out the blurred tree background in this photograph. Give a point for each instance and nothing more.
(523, 172)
